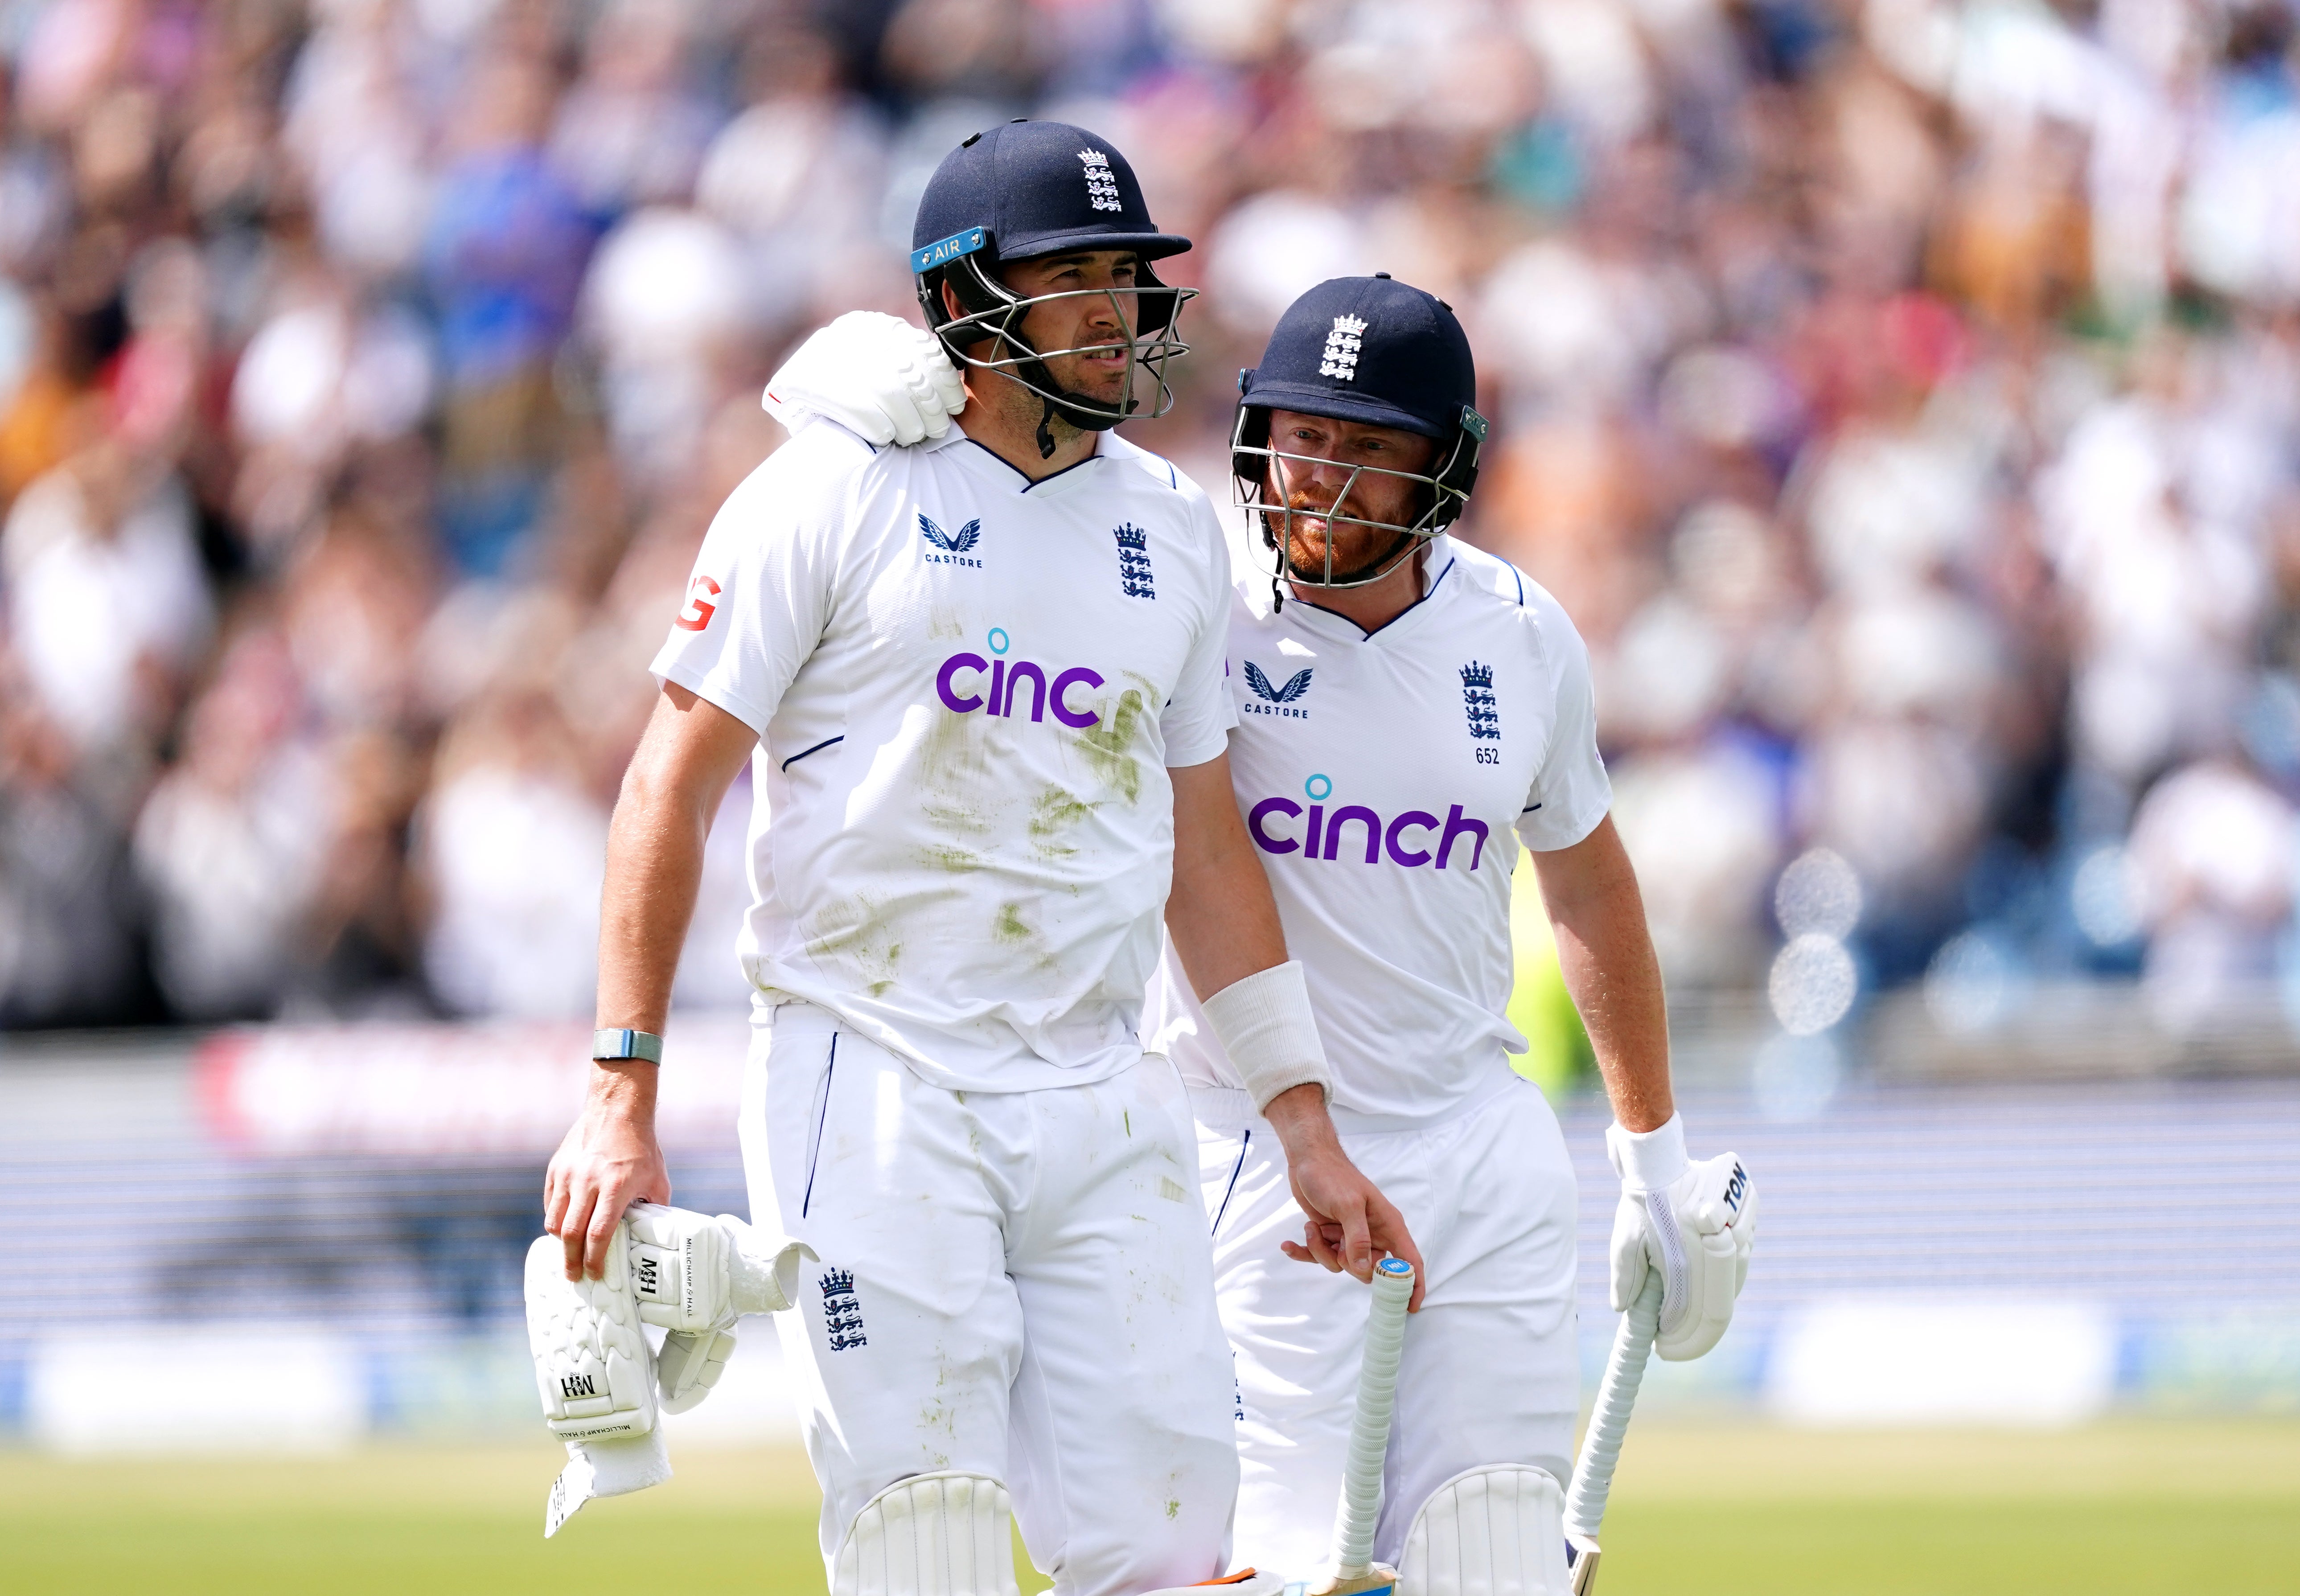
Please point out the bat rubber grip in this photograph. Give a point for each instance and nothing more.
(1361, 1505)
(1609, 1420)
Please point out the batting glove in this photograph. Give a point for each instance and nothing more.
(875, 375)
(1694, 1222)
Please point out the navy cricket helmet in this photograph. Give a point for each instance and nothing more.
(1373, 350)
(1019, 192)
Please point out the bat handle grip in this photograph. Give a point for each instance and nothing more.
(1609, 1420)
(1385, 1343)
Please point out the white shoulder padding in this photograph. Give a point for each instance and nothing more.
(931, 1534)
(1487, 1532)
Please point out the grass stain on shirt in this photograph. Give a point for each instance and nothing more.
(1057, 810)
(1107, 746)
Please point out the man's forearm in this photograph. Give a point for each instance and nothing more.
(1615, 982)
(1606, 954)
(655, 869)
(688, 756)
(1224, 931)
(1220, 913)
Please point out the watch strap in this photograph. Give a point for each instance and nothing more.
(627, 1044)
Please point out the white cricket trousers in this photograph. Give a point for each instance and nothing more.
(1489, 1373)
(1014, 1284)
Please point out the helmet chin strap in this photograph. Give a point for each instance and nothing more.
(1080, 410)
(1072, 407)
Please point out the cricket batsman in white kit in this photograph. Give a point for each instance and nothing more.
(1410, 709)
(981, 683)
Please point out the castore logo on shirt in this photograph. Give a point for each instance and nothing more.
(1382, 837)
(1276, 701)
(996, 697)
(954, 546)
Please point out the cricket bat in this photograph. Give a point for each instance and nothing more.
(1354, 1570)
(1609, 1421)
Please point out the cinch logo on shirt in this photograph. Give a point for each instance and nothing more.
(1401, 837)
(952, 544)
(996, 696)
(1275, 701)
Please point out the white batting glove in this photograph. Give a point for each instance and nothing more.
(593, 1371)
(592, 1365)
(1695, 1223)
(874, 374)
(695, 1275)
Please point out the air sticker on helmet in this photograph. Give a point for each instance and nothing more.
(948, 249)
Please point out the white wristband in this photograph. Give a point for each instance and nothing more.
(1648, 1160)
(1266, 1028)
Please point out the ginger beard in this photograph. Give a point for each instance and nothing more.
(1329, 508)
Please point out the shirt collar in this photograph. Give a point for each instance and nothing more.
(1438, 579)
(994, 467)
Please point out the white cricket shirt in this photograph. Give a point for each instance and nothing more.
(968, 688)
(1387, 780)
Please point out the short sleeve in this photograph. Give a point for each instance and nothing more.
(1571, 791)
(1199, 717)
(762, 590)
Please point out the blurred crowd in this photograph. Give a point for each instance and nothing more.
(1903, 395)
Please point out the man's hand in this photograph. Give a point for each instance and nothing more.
(1349, 1223)
(1695, 1224)
(874, 374)
(609, 1161)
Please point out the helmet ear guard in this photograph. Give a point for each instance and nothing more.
(1157, 305)
(981, 296)
(1249, 438)
(1459, 475)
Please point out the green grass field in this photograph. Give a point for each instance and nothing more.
(2154, 1507)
